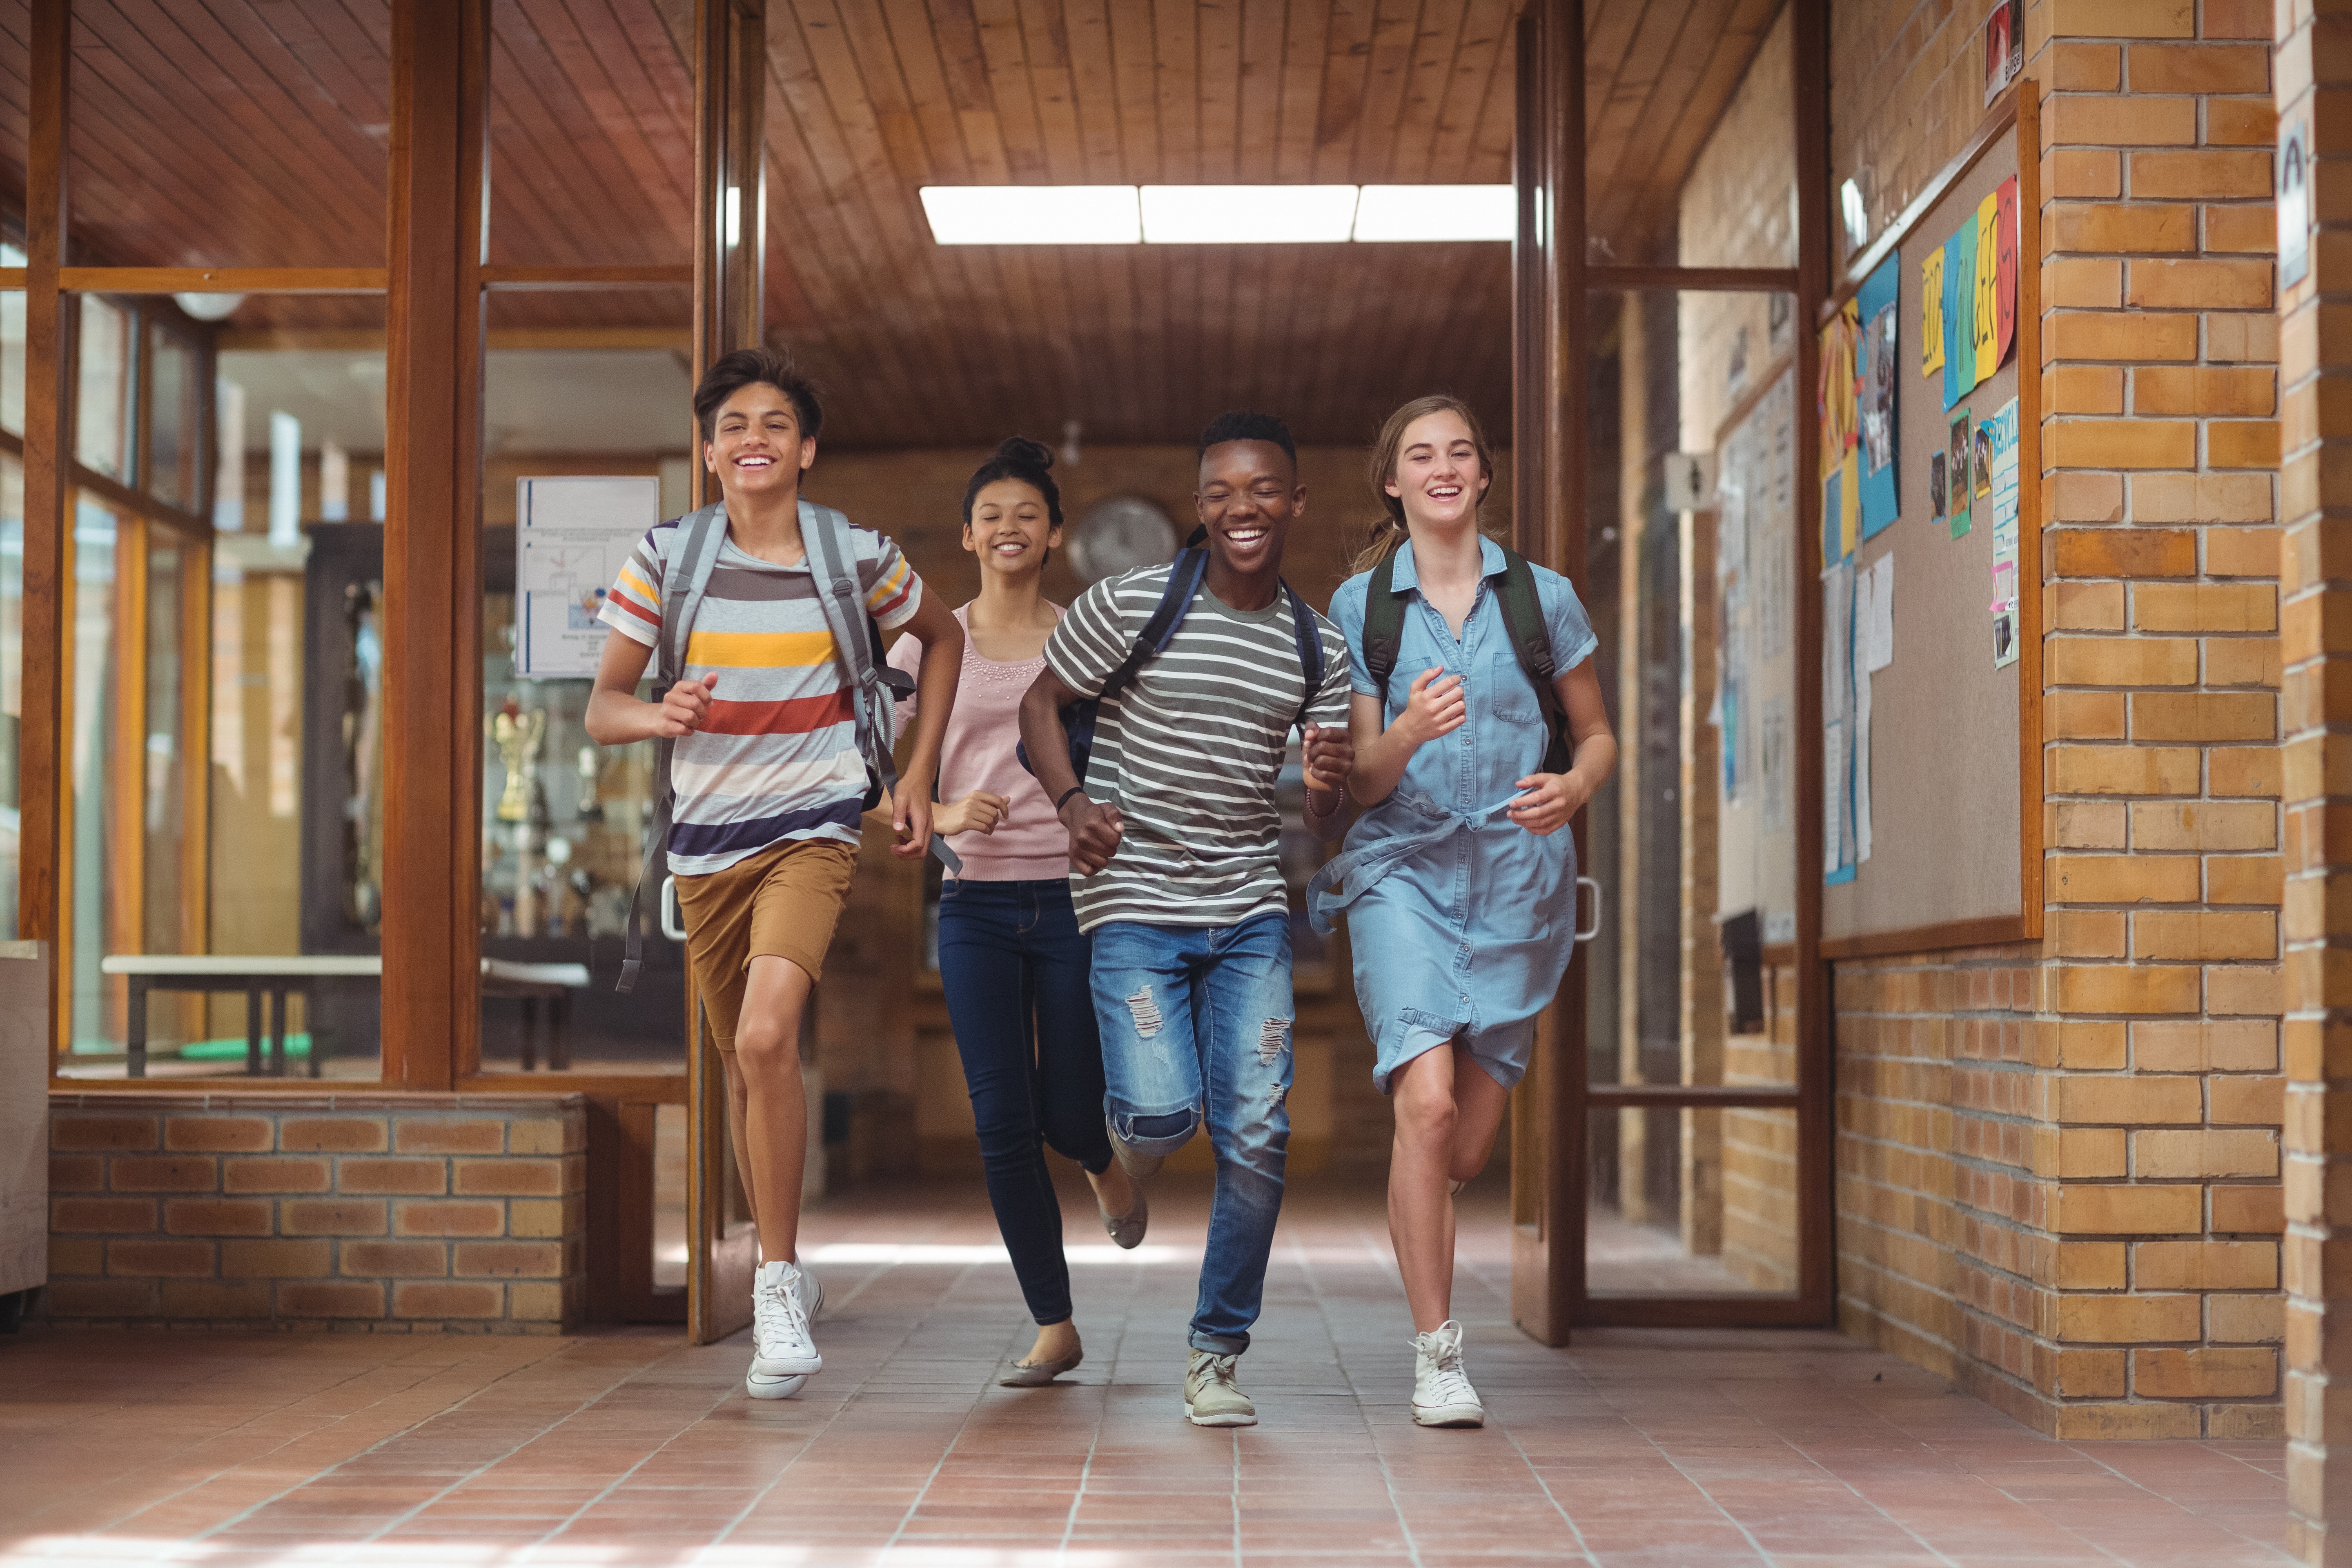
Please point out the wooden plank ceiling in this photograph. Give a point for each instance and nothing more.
(254, 133)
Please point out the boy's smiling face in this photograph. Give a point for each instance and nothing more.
(1249, 493)
(756, 444)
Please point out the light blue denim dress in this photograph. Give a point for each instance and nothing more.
(1461, 921)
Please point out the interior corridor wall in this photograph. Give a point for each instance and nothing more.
(2058, 1163)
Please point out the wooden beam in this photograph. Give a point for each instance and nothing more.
(1816, 1124)
(48, 456)
(432, 689)
(1704, 280)
(1710, 1096)
(223, 279)
(583, 278)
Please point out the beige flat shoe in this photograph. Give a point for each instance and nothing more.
(1038, 1373)
(1127, 1229)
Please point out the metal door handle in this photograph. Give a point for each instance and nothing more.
(1582, 934)
(673, 922)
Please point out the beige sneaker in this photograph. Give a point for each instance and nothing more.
(1211, 1397)
(1441, 1394)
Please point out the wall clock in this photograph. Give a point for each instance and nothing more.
(1119, 533)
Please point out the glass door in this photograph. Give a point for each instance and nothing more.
(1691, 1134)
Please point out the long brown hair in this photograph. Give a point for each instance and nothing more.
(1388, 529)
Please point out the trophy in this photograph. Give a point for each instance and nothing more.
(517, 734)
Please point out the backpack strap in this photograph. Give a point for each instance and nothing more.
(874, 687)
(1523, 622)
(1184, 578)
(684, 581)
(1384, 622)
(1310, 657)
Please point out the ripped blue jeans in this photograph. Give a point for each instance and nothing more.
(1196, 1025)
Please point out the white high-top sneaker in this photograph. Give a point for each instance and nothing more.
(1441, 1394)
(784, 1357)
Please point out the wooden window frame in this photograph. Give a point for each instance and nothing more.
(433, 285)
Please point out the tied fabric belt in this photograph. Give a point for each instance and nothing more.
(1352, 873)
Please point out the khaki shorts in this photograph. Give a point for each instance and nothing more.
(782, 902)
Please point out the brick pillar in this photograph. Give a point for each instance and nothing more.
(2315, 496)
(2155, 1137)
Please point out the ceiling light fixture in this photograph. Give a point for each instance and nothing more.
(1248, 215)
(1032, 215)
(1388, 213)
(1217, 215)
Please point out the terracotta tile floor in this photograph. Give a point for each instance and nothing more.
(616, 1449)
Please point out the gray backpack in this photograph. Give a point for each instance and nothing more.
(876, 689)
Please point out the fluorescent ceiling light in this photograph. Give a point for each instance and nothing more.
(1248, 215)
(1216, 215)
(1436, 212)
(1032, 215)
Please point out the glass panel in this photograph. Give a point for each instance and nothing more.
(174, 408)
(256, 137)
(1697, 166)
(94, 929)
(11, 676)
(1691, 1202)
(169, 920)
(1695, 840)
(12, 348)
(592, 145)
(103, 412)
(563, 820)
(268, 849)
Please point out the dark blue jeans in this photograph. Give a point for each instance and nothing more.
(1015, 968)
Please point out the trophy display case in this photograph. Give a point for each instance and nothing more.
(563, 827)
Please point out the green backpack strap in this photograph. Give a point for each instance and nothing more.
(1523, 622)
(1384, 622)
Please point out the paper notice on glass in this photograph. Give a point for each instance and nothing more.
(573, 536)
(1837, 678)
(1878, 641)
(1832, 796)
(1862, 773)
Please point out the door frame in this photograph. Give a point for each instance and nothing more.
(1552, 286)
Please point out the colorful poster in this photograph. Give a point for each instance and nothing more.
(1850, 503)
(2004, 47)
(1931, 313)
(2004, 288)
(1956, 470)
(1959, 314)
(1980, 462)
(1939, 492)
(1998, 435)
(1878, 303)
(1984, 323)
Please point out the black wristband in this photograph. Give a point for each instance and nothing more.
(1074, 789)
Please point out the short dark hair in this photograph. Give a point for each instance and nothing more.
(1018, 457)
(753, 367)
(1247, 425)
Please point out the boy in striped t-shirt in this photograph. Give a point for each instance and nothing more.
(1175, 853)
(770, 787)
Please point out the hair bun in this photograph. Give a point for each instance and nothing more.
(1021, 452)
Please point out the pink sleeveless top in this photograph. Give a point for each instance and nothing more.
(1030, 845)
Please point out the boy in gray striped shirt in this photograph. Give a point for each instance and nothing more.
(1174, 835)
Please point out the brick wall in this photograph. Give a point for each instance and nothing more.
(383, 1212)
(2058, 1166)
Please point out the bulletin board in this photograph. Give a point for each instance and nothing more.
(1954, 753)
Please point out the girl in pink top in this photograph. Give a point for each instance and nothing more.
(1012, 958)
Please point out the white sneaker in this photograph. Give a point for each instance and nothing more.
(1441, 1394)
(782, 1355)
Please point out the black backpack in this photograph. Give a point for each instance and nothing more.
(1523, 621)
(1183, 585)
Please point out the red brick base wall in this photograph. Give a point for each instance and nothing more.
(383, 1212)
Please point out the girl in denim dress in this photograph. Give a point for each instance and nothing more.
(1458, 880)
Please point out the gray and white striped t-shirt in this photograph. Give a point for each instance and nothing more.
(1191, 752)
